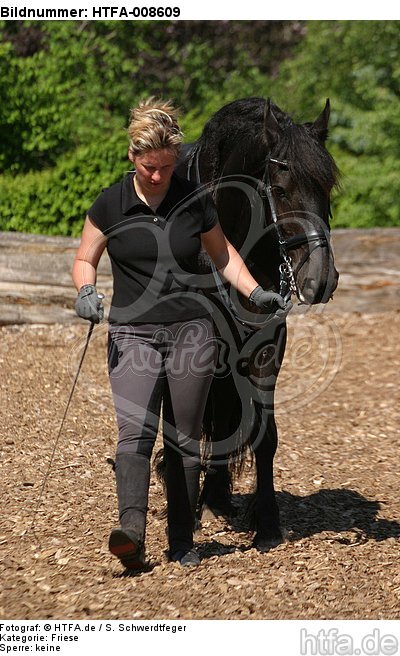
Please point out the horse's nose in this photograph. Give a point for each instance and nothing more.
(311, 290)
(326, 292)
(336, 280)
(316, 290)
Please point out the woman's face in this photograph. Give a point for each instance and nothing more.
(154, 169)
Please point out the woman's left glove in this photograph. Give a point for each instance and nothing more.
(270, 301)
(89, 304)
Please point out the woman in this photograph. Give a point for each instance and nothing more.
(154, 224)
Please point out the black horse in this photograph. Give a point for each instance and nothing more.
(271, 179)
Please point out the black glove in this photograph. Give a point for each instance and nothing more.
(270, 302)
(88, 305)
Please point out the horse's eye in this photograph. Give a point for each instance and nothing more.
(279, 191)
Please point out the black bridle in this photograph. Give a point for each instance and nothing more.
(314, 239)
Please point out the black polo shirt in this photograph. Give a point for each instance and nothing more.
(153, 254)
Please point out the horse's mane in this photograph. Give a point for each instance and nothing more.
(240, 125)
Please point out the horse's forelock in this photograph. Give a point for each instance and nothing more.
(309, 161)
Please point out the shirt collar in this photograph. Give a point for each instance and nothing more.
(130, 200)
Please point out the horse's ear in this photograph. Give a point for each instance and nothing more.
(272, 130)
(320, 125)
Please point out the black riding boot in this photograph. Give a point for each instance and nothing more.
(182, 496)
(132, 472)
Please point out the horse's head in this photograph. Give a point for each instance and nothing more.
(299, 176)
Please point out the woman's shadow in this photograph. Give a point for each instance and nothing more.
(346, 513)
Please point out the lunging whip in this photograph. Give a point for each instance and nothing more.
(62, 423)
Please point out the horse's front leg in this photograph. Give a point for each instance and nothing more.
(264, 439)
(268, 530)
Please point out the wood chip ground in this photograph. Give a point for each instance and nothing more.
(337, 480)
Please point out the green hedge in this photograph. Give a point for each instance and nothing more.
(55, 201)
(66, 88)
(369, 195)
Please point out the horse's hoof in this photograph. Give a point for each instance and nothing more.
(264, 542)
(207, 513)
(197, 527)
(225, 510)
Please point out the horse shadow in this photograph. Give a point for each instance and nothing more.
(346, 514)
(338, 510)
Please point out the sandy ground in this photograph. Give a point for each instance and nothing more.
(337, 472)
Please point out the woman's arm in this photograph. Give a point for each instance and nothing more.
(92, 245)
(228, 261)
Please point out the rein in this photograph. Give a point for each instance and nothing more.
(226, 299)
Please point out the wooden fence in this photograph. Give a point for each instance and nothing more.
(36, 286)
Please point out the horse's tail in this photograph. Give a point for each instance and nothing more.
(241, 452)
(159, 464)
(238, 450)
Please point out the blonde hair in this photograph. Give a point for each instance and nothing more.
(153, 125)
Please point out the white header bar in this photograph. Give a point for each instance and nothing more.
(196, 10)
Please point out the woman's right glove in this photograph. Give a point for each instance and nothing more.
(88, 304)
(270, 301)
